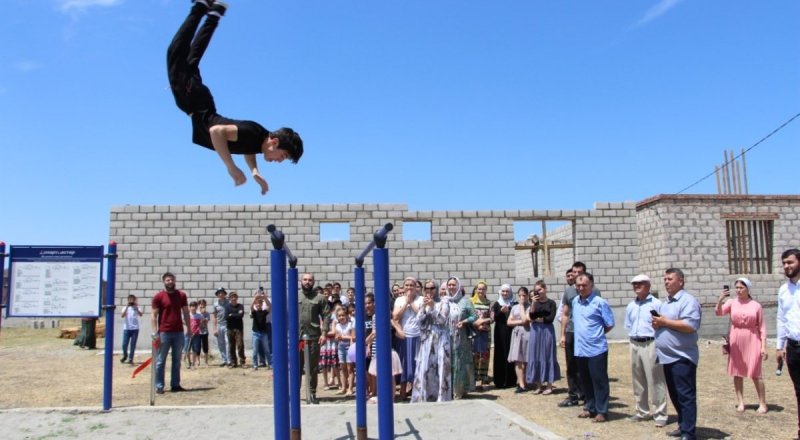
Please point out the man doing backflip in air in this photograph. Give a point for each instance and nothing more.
(209, 129)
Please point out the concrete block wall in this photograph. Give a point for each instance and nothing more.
(607, 242)
(211, 246)
(688, 232)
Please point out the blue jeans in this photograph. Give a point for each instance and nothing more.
(174, 341)
(261, 353)
(129, 336)
(593, 372)
(222, 343)
(681, 377)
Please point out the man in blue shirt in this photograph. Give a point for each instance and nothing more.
(592, 319)
(649, 387)
(676, 348)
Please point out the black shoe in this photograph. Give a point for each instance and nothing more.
(314, 400)
(218, 8)
(568, 402)
(123, 359)
(159, 390)
(177, 389)
(224, 364)
(674, 433)
(520, 390)
(130, 361)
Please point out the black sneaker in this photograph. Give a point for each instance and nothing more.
(218, 8)
(177, 389)
(568, 402)
(205, 3)
(159, 390)
(123, 359)
(519, 390)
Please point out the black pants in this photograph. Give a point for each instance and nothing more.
(793, 364)
(183, 62)
(681, 378)
(593, 372)
(574, 386)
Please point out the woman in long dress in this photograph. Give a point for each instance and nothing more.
(432, 379)
(542, 368)
(748, 341)
(521, 328)
(502, 370)
(461, 317)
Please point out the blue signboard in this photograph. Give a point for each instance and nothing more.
(55, 281)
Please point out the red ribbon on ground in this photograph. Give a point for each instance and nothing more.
(146, 363)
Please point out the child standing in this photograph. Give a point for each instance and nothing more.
(195, 321)
(130, 328)
(201, 308)
(345, 335)
(328, 359)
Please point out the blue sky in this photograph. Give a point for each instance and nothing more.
(440, 104)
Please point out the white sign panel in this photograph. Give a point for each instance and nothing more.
(50, 281)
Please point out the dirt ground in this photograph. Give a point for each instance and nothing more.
(37, 369)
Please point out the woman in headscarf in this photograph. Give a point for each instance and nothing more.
(518, 351)
(748, 341)
(462, 315)
(432, 378)
(483, 326)
(503, 371)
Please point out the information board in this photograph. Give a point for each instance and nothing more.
(55, 281)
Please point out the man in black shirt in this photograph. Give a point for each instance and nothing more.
(209, 129)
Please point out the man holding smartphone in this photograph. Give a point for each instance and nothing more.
(676, 324)
(649, 387)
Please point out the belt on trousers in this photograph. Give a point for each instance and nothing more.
(642, 339)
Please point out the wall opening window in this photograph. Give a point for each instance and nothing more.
(420, 231)
(749, 245)
(543, 247)
(330, 231)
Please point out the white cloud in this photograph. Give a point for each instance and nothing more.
(657, 11)
(82, 5)
(25, 66)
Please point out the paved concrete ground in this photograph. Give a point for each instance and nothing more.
(462, 419)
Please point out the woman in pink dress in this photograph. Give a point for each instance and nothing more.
(748, 340)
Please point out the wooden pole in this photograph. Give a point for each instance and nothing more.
(716, 174)
(744, 173)
(547, 268)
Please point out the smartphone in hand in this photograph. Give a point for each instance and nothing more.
(654, 313)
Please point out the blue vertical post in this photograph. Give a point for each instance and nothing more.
(2, 270)
(361, 355)
(294, 351)
(109, 307)
(279, 342)
(385, 377)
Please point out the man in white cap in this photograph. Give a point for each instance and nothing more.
(649, 387)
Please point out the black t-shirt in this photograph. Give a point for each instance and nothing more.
(250, 138)
(234, 315)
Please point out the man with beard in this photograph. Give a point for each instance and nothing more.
(168, 306)
(788, 346)
(312, 306)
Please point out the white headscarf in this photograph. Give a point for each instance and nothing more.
(747, 283)
(503, 301)
(457, 297)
